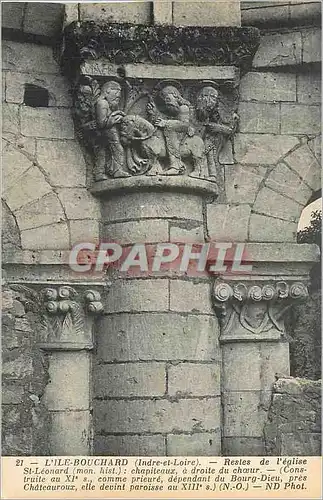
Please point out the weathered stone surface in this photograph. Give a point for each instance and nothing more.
(14, 165)
(206, 444)
(309, 88)
(31, 186)
(163, 12)
(69, 381)
(157, 416)
(228, 222)
(186, 232)
(259, 117)
(47, 210)
(294, 419)
(138, 295)
(300, 119)
(193, 379)
(114, 12)
(207, 13)
(262, 149)
(12, 394)
(243, 446)
(54, 236)
(29, 58)
(279, 50)
(306, 165)
(315, 147)
(138, 446)
(245, 413)
(271, 203)
(55, 123)
(263, 228)
(237, 362)
(286, 182)
(70, 431)
(78, 203)
(160, 337)
(12, 14)
(26, 145)
(187, 296)
(149, 231)
(19, 367)
(63, 162)
(43, 19)
(242, 183)
(57, 86)
(268, 87)
(10, 118)
(312, 45)
(84, 230)
(130, 379)
(153, 205)
(264, 16)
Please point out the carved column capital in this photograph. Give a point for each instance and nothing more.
(252, 310)
(66, 312)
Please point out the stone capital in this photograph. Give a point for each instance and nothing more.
(254, 310)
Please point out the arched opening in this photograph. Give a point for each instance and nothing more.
(305, 321)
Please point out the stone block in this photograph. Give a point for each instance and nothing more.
(309, 88)
(300, 119)
(124, 446)
(53, 237)
(257, 86)
(201, 444)
(148, 231)
(17, 368)
(12, 394)
(186, 232)
(138, 295)
(263, 228)
(43, 19)
(54, 123)
(130, 379)
(193, 379)
(10, 118)
(70, 433)
(262, 149)
(187, 296)
(227, 223)
(57, 86)
(241, 367)
(47, 210)
(63, 162)
(259, 117)
(265, 16)
(145, 205)
(315, 146)
(116, 12)
(29, 58)
(245, 413)
(242, 183)
(312, 45)
(288, 183)
(78, 203)
(27, 145)
(84, 230)
(306, 165)
(271, 203)
(71, 13)
(161, 337)
(68, 387)
(12, 14)
(301, 444)
(206, 13)
(6, 299)
(28, 188)
(14, 165)
(274, 361)
(283, 49)
(157, 416)
(305, 13)
(163, 12)
(243, 447)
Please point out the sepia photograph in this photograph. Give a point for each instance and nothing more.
(161, 234)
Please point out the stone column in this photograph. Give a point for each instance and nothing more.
(255, 346)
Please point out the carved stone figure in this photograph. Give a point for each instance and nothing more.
(216, 133)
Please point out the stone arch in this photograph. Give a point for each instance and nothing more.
(285, 191)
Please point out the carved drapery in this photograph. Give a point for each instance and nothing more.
(254, 310)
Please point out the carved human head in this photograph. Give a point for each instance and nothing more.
(170, 99)
(207, 102)
(111, 91)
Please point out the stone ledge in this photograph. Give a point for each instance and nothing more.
(155, 183)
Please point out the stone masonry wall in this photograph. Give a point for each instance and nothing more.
(294, 418)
